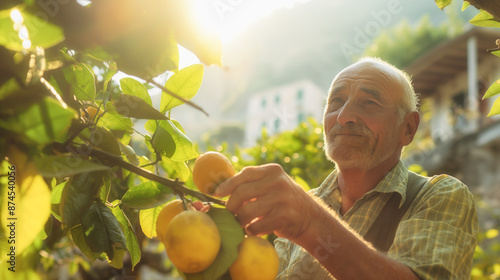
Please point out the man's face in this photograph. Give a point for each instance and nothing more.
(361, 121)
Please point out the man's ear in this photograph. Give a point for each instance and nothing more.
(412, 122)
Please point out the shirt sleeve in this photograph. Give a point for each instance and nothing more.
(437, 236)
(283, 248)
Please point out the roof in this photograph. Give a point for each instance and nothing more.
(449, 59)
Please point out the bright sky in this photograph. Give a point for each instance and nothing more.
(230, 17)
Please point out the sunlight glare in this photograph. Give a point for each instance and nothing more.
(230, 18)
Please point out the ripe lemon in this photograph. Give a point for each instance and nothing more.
(257, 260)
(211, 169)
(167, 213)
(192, 241)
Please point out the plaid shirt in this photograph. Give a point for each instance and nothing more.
(435, 238)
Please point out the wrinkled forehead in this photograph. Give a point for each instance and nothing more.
(369, 72)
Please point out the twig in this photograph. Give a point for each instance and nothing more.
(175, 185)
(177, 96)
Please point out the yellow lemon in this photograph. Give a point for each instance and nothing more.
(210, 169)
(192, 241)
(167, 213)
(257, 260)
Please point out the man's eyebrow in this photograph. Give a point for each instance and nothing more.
(373, 92)
(336, 89)
(333, 91)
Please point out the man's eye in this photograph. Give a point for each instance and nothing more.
(370, 102)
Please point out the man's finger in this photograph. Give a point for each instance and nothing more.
(248, 174)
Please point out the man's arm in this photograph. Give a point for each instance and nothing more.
(266, 200)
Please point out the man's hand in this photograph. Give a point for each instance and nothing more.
(265, 200)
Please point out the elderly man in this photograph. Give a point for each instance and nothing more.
(371, 218)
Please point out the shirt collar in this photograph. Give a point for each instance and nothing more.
(395, 181)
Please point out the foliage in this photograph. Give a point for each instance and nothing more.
(299, 152)
(485, 19)
(70, 177)
(404, 43)
(487, 253)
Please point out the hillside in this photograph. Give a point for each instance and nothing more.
(313, 40)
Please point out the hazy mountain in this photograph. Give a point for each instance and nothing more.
(312, 40)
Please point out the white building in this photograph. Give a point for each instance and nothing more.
(282, 108)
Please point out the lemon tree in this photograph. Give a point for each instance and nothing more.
(72, 179)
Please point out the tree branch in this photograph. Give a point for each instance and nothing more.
(492, 7)
(175, 185)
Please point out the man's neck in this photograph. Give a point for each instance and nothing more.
(355, 182)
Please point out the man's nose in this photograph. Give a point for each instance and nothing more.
(348, 114)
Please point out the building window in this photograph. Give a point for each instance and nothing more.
(277, 99)
(276, 125)
(300, 94)
(263, 103)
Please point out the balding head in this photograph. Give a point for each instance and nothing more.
(409, 99)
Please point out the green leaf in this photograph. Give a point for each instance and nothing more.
(493, 90)
(102, 139)
(133, 87)
(102, 230)
(9, 38)
(147, 195)
(132, 244)
(162, 141)
(495, 110)
(186, 84)
(42, 32)
(181, 169)
(147, 220)
(9, 87)
(442, 3)
(56, 193)
(105, 188)
(31, 199)
(184, 148)
(231, 236)
(465, 5)
(485, 19)
(150, 126)
(43, 122)
(145, 56)
(82, 81)
(78, 195)
(135, 107)
(110, 72)
(114, 121)
(106, 141)
(78, 236)
(497, 53)
(64, 166)
(117, 261)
